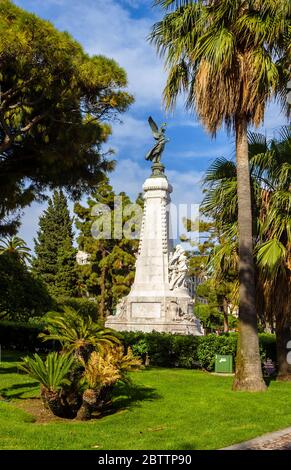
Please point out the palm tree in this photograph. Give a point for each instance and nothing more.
(229, 58)
(53, 375)
(274, 245)
(270, 164)
(77, 334)
(15, 245)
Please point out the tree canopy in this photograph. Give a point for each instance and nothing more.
(55, 262)
(109, 273)
(56, 105)
(22, 295)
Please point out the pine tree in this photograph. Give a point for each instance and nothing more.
(110, 273)
(55, 255)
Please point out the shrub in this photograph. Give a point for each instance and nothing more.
(268, 347)
(167, 350)
(24, 337)
(211, 345)
(53, 375)
(85, 307)
(164, 350)
(76, 333)
(185, 349)
(73, 387)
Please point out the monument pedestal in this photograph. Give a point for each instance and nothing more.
(159, 299)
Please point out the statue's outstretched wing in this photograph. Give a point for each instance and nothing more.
(154, 127)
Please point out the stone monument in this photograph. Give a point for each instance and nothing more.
(159, 299)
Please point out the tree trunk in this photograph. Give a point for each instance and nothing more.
(54, 403)
(248, 375)
(102, 312)
(89, 404)
(283, 335)
(225, 316)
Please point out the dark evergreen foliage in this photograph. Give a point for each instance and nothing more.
(55, 255)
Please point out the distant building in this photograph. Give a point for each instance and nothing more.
(83, 258)
(193, 283)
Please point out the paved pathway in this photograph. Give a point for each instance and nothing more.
(279, 440)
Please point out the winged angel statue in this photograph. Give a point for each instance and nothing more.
(155, 153)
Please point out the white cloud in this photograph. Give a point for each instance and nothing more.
(211, 152)
(184, 123)
(112, 31)
(132, 134)
(129, 176)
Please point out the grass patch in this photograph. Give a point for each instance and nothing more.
(167, 409)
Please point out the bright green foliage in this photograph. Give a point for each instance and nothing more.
(219, 292)
(209, 315)
(56, 102)
(76, 333)
(110, 273)
(197, 260)
(52, 372)
(211, 345)
(22, 295)
(167, 350)
(55, 262)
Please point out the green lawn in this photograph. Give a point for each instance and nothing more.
(169, 409)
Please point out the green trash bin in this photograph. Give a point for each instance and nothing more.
(223, 364)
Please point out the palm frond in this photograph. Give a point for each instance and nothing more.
(75, 332)
(270, 255)
(52, 372)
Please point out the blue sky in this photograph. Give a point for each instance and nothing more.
(118, 29)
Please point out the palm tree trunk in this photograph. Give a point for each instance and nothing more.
(225, 316)
(283, 336)
(102, 306)
(248, 375)
(89, 404)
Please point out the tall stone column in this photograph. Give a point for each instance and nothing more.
(153, 304)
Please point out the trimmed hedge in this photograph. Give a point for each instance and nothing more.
(166, 350)
(24, 337)
(163, 349)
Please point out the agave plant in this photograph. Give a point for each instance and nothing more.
(53, 375)
(76, 333)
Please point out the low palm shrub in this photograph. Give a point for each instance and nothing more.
(53, 375)
(78, 380)
(102, 371)
(77, 334)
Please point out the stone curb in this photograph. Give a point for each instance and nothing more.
(266, 438)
